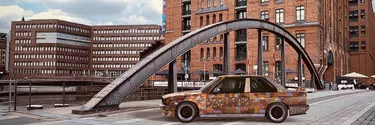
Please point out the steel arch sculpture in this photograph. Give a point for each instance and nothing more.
(115, 92)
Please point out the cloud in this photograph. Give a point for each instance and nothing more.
(14, 13)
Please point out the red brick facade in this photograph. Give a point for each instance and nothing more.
(321, 26)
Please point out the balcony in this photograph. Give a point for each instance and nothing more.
(186, 29)
(186, 13)
(241, 4)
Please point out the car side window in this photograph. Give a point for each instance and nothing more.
(232, 85)
(261, 85)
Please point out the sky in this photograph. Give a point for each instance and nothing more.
(89, 12)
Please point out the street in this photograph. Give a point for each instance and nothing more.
(338, 108)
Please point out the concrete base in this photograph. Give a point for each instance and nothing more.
(95, 110)
(33, 107)
(61, 105)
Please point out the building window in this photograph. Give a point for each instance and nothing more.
(300, 10)
(241, 35)
(241, 52)
(353, 31)
(202, 4)
(214, 19)
(202, 53)
(353, 46)
(221, 2)
(215, 3)
(208, 53)
(363, 29)
(217, 67)
(241, 14)
(301, 39)
(353, 16)
(265, 68)
(278, 43)
(264, 15)
(240, 3)
(264, 1)
(278, 69)
(207, 19)
(362, 1)
(363, 44)
(363, 15)
(214, 53)
(201, 21)
(208, 4)
(279, 15)
(265, 43)
(220, 17)
(221, 52)
(353, 2)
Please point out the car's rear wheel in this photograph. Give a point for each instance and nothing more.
(186, 112)
(277, 112)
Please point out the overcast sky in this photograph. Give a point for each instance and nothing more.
(90, 12)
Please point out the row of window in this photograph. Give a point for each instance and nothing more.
(353, 30)
(47, 71)
(114, 66)
(355, 2)
(214, 3)
(354, 46)
(23, 33)
(214, 19)
(22, 41)
(122, 31)
(208, 54)
(49, 63)
(353, 15)
(48, 56)
(118, 38)
(122, 45)
(116, 59)
(52, 25)
(48, 48)
(117, 52)
(279, 14)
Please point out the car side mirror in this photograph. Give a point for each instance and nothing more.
(217, 90)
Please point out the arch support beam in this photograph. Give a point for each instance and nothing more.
(119, 89)
(226, 54)
(260, 53)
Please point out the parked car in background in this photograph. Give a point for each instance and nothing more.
(236, 96)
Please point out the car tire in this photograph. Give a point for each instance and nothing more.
(277, 112)
(186, 112)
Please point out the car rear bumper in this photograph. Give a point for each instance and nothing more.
(168, 110)
(298, 110)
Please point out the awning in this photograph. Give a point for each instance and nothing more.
(355, 75)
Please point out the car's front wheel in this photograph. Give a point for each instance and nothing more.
(277, 112)
(186, 112)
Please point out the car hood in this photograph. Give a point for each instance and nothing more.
(185, 93)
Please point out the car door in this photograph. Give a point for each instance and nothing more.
(229, 97)
(261, 94)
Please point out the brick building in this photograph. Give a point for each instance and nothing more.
(3, 41)
(361, 29)
(320, 26)
(42, 49)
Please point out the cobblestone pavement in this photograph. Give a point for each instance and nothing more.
(366, 119)
(339, 109)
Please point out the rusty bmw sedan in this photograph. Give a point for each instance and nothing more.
(236, 96)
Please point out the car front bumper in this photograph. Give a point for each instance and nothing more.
(298, 110)
(168, 110)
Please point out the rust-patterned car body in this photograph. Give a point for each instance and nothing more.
(236, 104)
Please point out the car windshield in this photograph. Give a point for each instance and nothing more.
(209, 84)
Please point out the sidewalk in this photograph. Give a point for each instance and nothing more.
(65, 112)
